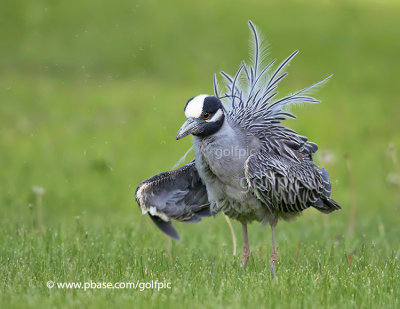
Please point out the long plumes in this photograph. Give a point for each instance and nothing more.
(182, 160)
(250, 96)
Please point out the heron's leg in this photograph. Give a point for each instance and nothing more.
(166, 241)
(273, 260)
(246, 248)
(232, 233)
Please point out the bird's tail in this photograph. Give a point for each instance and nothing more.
(325, 203)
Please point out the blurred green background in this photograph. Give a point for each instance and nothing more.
(92, 95)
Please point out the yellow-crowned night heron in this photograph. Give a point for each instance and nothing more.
(247, 164)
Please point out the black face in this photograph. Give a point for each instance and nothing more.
(207, 124)
(204, 117)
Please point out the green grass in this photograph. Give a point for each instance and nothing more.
(91, 98)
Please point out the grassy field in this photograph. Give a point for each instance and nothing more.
(91, 98)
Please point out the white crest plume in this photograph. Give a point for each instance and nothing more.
(251, 91)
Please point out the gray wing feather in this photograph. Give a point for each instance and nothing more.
(178, 195)
(288, 186)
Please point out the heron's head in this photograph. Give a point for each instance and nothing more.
(205, 116)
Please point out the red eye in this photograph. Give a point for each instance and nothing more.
(206, 116)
